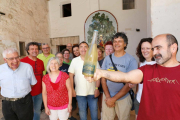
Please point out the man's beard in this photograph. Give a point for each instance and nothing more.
(164, 60)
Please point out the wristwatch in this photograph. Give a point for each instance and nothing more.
(97, 88)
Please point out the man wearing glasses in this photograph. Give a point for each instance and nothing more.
(45, 56)
(16, 80)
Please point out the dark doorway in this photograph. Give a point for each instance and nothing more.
(61, 47)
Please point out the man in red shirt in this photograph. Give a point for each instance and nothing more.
(161, 81)
(32, 49)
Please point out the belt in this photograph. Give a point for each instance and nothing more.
(14, 99)
(11, 99)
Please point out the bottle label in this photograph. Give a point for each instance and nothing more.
(88, 69)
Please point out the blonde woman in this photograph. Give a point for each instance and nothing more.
(57, 92)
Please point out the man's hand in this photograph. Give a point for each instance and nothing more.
(73, 93)
(96, 93)
(97, 76)
(110, 102)
(132, 85)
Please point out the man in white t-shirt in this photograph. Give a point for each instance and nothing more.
(85, 92)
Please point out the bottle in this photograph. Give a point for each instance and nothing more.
(91, 57)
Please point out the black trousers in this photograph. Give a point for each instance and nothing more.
(18, 110)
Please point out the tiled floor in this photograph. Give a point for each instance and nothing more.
(45, 117)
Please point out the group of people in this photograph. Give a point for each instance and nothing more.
(57, 80)
(159, 94)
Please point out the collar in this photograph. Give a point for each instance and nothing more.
(7, 66)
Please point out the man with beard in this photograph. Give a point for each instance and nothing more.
(161, 81)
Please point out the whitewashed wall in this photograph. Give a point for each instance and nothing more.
(165, 15)
(128, 20)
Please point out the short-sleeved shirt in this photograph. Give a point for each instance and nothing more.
(38, 68)
(68, 62)
(64, 68)
(83, 87)
(57, 93)
(125, 64)
(140, 86)
(45, 60)
(161, 93)
(17, 83)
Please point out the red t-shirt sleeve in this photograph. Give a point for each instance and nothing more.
(142, 69)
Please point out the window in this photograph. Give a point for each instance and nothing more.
(66, 9)
(128, 4)
(61, 47)
(22, 49)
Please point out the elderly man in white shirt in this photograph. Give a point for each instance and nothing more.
(16, 80)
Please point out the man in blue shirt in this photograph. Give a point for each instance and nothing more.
(116, 99)
(16, 80)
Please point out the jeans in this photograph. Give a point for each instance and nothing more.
(18, 110)
(92, 103)
(37, 101)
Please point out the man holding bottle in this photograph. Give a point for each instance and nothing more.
(85, 92)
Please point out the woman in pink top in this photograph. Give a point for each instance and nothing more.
(57, 92)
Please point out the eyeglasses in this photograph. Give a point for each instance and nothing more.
(11, 59)
(45, 48)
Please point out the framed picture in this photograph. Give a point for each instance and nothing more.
(103, 21)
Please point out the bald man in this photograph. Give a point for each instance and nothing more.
(69, 47)
(161, 81)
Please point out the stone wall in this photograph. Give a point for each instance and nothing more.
(25, 20)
